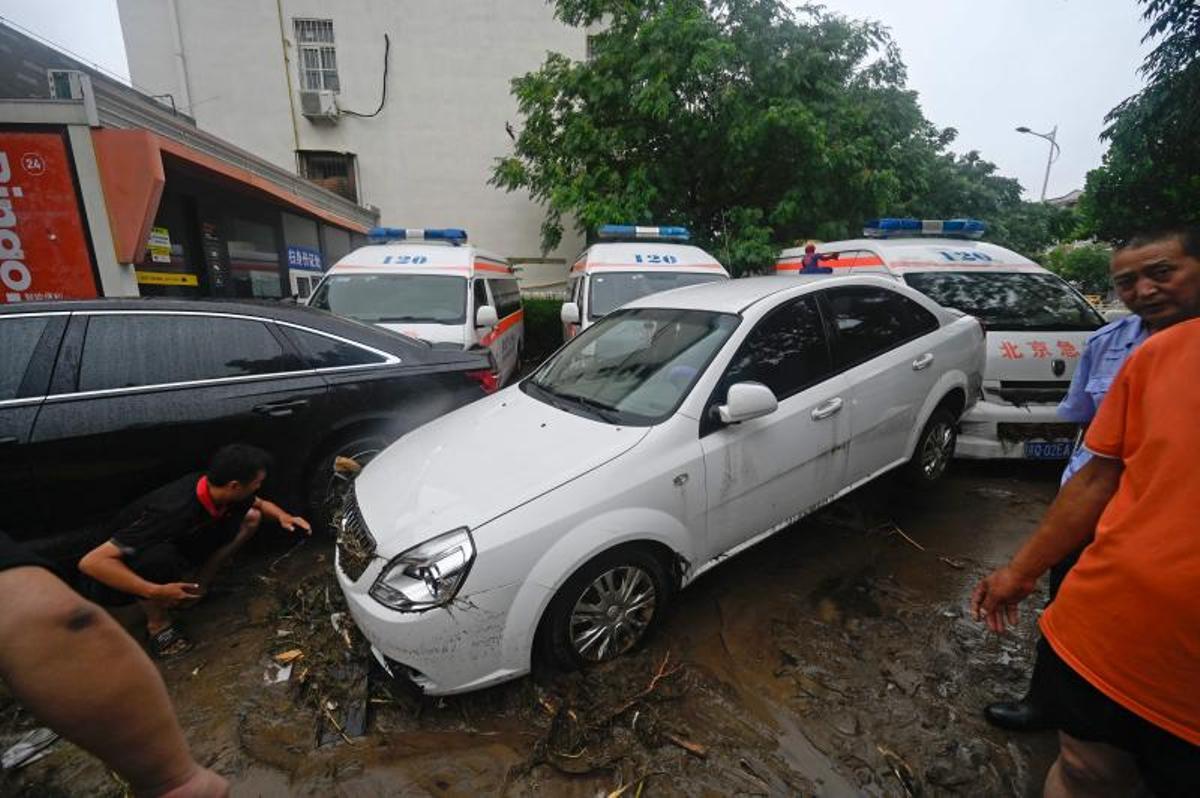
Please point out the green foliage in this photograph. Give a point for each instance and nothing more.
(1150, 176)
(543, 328)
(1084, 264)
(753, 125)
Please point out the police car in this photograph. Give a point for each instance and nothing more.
(1036, 324)
(632, 262)
(433, 285)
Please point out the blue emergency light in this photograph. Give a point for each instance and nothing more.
(653, 233)
(384, 235)
(950, 228)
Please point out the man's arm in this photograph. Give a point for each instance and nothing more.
(281, 516)
(1069, 523)
(80, 673)
(106, 564)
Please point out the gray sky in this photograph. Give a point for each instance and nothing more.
(981, 66)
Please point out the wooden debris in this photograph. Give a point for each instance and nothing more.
(695, 749)
(289, 656)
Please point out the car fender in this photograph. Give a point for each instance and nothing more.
(570, 551)
(951, 380)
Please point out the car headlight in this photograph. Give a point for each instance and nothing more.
(427, 575)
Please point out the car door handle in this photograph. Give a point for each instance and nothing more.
(827, 409)
(280, 409)
(923, 362)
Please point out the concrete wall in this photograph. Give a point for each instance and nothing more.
(426, 158)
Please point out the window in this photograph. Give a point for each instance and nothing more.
(18, 338)
(394, 298)
(323, 352)
(333, 171)
(129, 351)
(481, 295)
(870, 321)
(508, 296)
(611, 291)
(318, 58)
(787, 352)
(1009, 301)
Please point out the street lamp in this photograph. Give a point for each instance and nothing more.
(1055, 151)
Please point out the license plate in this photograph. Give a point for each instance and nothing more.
(1048, 450)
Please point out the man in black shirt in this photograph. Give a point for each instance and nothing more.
(78, 672)
(186, 529)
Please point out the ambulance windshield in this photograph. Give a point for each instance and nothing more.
(611, 291)
(388, 298)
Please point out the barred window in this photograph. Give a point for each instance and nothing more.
(317, 55)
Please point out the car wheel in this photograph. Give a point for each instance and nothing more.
(606, 609)
(934, 450)
(327, 487)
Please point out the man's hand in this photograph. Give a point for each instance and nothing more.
(292, 522)
(176, 593)
(202, 783)
(997, 595)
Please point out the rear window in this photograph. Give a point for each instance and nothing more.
(388, 298)
(1009, 301)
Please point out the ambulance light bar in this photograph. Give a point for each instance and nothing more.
(951, 228)
(627, 231)
(384, 235)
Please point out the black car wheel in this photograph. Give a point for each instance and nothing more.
(327, 487)
(606, 609)
(934, 450)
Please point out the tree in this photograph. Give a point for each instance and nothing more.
(752, 124)
(1086, 264)
(1150, 176)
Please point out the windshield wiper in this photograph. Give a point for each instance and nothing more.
(410, 319)
(598, 409)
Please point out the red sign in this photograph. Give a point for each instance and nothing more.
(43, 245)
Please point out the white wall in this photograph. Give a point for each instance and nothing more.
(426, 158)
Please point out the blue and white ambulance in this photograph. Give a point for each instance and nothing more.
(433, 285)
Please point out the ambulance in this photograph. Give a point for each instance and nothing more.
(433, 285)
(630, 262)
(1036, 324)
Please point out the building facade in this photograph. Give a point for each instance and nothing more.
(399, 104)
(107, 192)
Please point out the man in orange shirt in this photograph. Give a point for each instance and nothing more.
(1123, 661)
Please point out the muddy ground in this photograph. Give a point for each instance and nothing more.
(833, 659)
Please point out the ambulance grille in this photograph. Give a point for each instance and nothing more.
(355, 545)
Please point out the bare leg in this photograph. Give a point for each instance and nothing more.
(1090, 770)
(158, 617)
(249, 527)
(76, 669)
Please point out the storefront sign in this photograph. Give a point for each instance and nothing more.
(304, 258)
(167, 278)
(160, 245)
(43, 245)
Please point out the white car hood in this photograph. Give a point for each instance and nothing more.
(477, 463)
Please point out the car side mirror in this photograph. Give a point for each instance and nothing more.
(746, 401)
(569, 313)
(486, 316)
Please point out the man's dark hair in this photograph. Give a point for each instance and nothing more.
(1187, 236)
(239, 462)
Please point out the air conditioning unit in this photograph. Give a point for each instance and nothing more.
(318, 104)
(65, 84)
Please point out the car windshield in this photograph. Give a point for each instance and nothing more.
(383, 298)
(1009, 300)
(635, 367)
(611, 291)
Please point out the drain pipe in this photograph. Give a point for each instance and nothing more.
(181, 72)
(287, 73)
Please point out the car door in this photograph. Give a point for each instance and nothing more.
(140, 398)
(883, 344)
(28, 346)
(763, 472)
(506, 337)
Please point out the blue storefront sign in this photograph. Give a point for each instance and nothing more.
(304, 258)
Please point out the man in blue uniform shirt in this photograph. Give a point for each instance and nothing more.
(1155, 277)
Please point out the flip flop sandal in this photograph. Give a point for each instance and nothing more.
(168, 643)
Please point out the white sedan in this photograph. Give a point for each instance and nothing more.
(557, 517)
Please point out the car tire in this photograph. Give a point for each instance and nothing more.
(934, 449)
(592, 600)
(325, 487)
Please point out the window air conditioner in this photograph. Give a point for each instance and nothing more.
(318, 104)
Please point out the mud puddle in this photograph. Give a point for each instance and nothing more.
(834, 659)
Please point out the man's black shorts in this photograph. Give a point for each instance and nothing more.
(14, 555)
(1169, 765)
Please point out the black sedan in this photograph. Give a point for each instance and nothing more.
(102, 401)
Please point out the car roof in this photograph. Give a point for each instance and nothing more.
(620, 255)
(735, 296)
(922, 253)
(440, 258)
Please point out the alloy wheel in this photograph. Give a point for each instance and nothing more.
(937, 451)
(613, 613)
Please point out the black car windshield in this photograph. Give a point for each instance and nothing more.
(1009, 300)
(384, 298)
(612, 290)
(635, 367)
